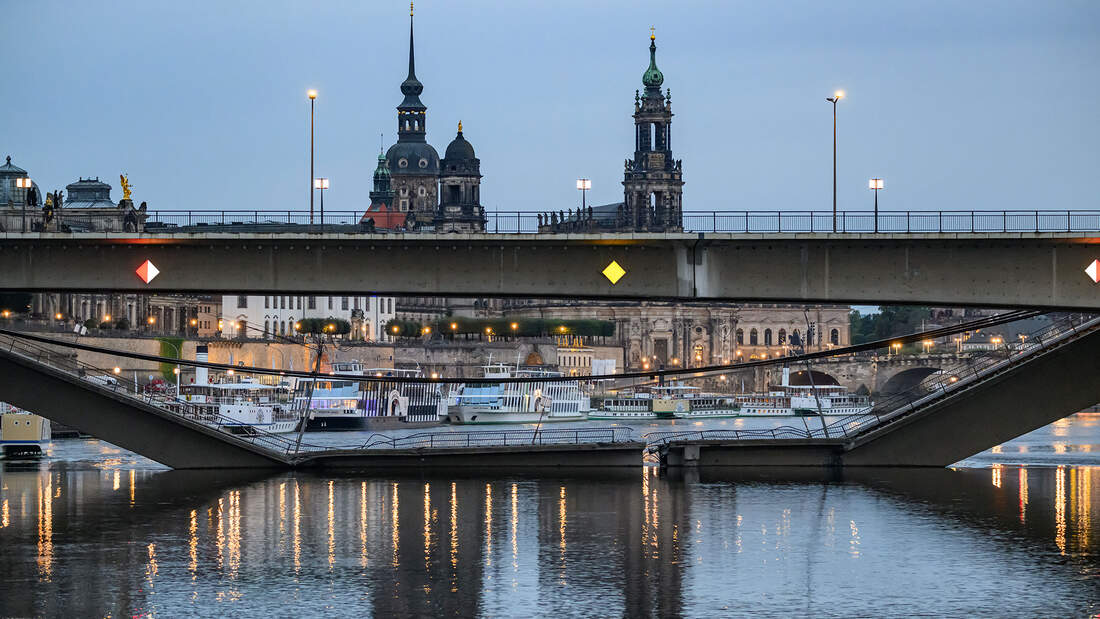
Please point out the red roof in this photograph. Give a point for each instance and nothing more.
(383, 217)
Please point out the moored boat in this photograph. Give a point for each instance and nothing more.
(517, 402)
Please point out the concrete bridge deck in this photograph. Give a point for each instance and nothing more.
(994, 269)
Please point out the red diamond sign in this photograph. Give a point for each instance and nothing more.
(147, 271)
(1093, 271)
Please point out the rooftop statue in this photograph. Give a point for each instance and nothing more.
(125, 182)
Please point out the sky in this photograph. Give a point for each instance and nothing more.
(957, 105)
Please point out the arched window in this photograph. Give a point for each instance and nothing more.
(753, 338)
(834, 337)
(782, 337)
(740, 337)
(795, 336)
(267, 327)
(282, 328)
(767, 337)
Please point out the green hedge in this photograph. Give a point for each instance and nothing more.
(170, 347)
(330, 326)
(519, 327)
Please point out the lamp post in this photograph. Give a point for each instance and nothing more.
(25, 184)
(583, 184)
(875, 184)
(837, 96)
(312, 94)
(322, 184)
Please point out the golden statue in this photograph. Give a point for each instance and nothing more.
(125, 182)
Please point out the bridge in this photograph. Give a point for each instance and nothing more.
(992, 398)
(1019, 260)
(989, 398)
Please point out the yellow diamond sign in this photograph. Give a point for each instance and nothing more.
(613, 272)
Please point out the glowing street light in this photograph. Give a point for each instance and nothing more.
(927, 344)
(454, 326)
(583, 185)
(322, 184)
(837, 96)
(425, 331)
(57, 316)
(152, 320)
(312, 94)
(875, 184)
(117, 370)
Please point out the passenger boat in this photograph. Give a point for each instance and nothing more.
(666, 402)
(786, 400)
(349, 404)
(21, 433)
(519, 402)
(241, 406)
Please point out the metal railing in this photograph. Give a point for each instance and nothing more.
(890, 409)
(734, 222)
(500, 438)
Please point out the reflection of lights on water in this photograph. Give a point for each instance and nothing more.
(363, 525)
(394, 529)
(1059, 448)
(331, 525)
(997, 449)
(427, 531)
(193, 545)
(1060, 508)
(297, 545)
(488, 524)
(1084, 501)
(561, 531)
(454, 537)
(131, 487)
(997, 475)
(118, 479)
(515, 525)
(737, 536)
(853, 544)
(45, 526)
(219, 535)
(282, 507)
(1023, 494)
(151, 568)
(4, 517)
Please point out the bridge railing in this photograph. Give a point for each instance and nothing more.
(491, 438)
(718, 221)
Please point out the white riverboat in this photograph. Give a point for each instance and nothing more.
(241, 406)
(666, 402)
(517, 402)
(786, 400)
(341, 403)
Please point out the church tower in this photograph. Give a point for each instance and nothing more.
(414, 164)
(460, 185)
(652, 181)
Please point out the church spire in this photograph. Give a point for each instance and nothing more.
(411, 114)
(652, 78)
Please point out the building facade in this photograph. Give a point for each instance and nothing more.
(270, 316)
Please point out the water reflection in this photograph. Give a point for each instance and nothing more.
(640, 545)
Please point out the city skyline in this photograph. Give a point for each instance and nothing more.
(229, 116)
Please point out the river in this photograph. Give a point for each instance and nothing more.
(93, 530)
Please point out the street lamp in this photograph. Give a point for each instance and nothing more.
(875, 184)
(837, 96)
(322, 184)
(312, 94)
(927, 344)
(583, 184)
(897, 347)
(25, 184)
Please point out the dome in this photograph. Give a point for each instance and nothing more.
(652, 78)
(459, 149)
(413, 158)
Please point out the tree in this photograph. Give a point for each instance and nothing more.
(323, 326)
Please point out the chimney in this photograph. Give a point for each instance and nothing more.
(786, 376)
(201, 373)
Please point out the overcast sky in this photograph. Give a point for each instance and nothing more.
(958, 105)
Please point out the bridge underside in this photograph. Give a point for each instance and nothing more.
(143, 429)
(1041, 270)
(1021, 399)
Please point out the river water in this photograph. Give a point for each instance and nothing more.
(92, 530)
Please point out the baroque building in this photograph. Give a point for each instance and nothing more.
(653, 180)
(416, 170)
